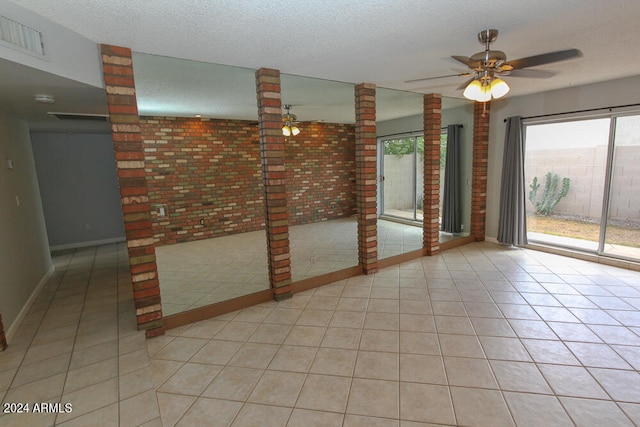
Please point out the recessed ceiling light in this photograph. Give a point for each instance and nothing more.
(44, 99)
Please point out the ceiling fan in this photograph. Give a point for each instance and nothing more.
(487, 66)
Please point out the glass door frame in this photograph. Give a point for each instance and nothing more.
(381, 174)
(608, 175)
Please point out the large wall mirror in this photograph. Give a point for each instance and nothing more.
(320, 167)
(400, 132)
(199, 129)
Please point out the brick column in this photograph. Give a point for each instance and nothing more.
(125, 131)
(273, 173)
(431, 198)
(366, 177)
(3, 338)
(481, 115)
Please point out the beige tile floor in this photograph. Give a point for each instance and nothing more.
(78, 344)
(204, 272)
(479, 335)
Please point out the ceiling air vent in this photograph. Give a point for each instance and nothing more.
(81, 117)
(17, 35)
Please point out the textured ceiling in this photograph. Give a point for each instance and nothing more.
(374, 41)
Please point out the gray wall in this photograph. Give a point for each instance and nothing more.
(24, 252)
(605, 94)
(79, 188)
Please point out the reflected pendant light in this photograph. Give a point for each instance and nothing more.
(289, 123)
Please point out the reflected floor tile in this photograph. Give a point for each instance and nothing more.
(310, 418)
(376, 398)
(204, 410)
(480, 407)
(278, 388)
(525, 409)
(233, 383)
(324, 393)
(426, 403)
(519, 376)
(572, 381)
(585, 412)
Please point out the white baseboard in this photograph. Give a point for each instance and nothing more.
(85, 244)
(12, 329)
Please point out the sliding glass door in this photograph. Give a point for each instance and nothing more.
(583, 186)
(401, 177)
(622, 233)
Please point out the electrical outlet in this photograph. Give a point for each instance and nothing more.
(201, 221)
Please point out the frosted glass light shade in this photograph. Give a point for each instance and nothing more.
(499, 88)
(473, 90)
(476, 91)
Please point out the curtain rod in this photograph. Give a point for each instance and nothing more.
(410, 132)
(579, 111)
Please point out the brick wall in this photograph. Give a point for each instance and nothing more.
(432, 121)
(481, 115)
(202, 170)
(366, 177)
(210, 169)
(275, 181)
(117, 67)
(320, 166)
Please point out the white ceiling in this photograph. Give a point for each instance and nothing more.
(374, 41)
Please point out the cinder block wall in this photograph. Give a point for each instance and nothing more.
(208, 170)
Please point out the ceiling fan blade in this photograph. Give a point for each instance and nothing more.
(437, 77)
(530, 74)
(465, 84)
(545, 58)
(466, 61)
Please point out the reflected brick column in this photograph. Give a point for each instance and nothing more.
(431, 197)
(366, 177)
(481, 115)
(117, 67)
(274, 176)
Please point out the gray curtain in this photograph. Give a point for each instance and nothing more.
(512, 224)
(451, 206)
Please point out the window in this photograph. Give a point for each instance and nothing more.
(583, 187)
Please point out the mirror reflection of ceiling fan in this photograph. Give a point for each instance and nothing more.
(486, 67)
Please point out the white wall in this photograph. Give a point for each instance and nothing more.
(612, 93)
(24, 251)
(79, 188)
(69, 54)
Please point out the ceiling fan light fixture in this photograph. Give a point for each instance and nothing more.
(476, 91)
(290, 126)
(483, 91)
(499, 88)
